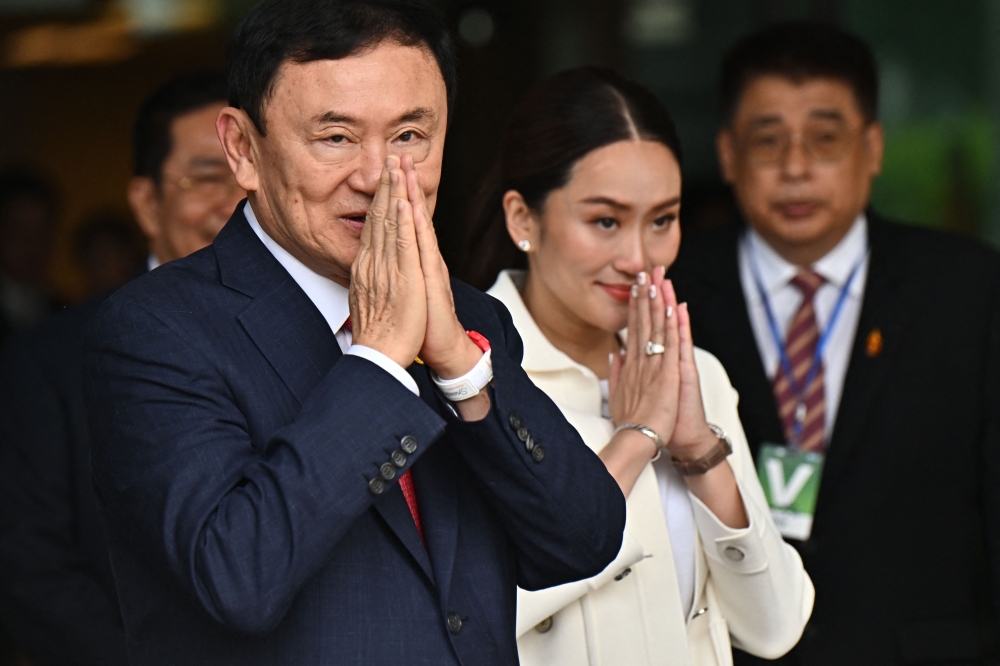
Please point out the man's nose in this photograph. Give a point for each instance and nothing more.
(368, 171)
(797, 161)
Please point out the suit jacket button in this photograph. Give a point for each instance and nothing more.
(376, 486)
(387, 471)
(544, 625)
(454, 624)
(408, 444)
(398, 458)
(734, 553)
(623, 574)
(514, 421)
(538, 453)
(523, 434)
(529, 444)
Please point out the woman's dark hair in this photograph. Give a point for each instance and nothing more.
(301, 31)
(559, 122)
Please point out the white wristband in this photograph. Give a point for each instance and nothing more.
(468, 385)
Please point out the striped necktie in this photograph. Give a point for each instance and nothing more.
(406, 480)
(803, 415)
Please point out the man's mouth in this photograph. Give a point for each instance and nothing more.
(354, 220)
(797, 209)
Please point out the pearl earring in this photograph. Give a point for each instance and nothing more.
(525, 245)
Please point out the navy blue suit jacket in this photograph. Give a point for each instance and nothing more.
(233, 448)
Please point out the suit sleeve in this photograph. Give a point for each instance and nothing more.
(766, 597)
(562, 510)
(50, 601)
(240, 524)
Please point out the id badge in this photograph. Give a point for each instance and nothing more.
(791, 484)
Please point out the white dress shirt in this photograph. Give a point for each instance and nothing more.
(776, 274)
(330, 299)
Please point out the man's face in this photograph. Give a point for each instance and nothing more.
(330, 125)
(197, 192)
(801, 159)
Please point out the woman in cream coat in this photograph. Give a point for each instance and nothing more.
(588, 188)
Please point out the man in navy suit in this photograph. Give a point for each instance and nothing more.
(57, 595)
(281, 481)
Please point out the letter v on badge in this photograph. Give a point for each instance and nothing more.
(791, 484)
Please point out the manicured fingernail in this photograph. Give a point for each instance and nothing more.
(611, 358)
(641, 277)
(621, 352)
(670, 311)
(652, 291)
(635, 291)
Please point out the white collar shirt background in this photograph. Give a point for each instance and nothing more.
(776, 274)
(330, 299)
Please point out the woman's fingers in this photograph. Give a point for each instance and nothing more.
(657, 310)
(644, 321)
(632, 343)
(686, 341)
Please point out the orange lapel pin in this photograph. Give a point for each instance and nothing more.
(873, 345)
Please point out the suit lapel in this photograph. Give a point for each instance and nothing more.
(885, 309)
(296, 340)
(724, 324)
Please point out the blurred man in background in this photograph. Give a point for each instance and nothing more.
(57, 596)
(867, 358)
(28, 213)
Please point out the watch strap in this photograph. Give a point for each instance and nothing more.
(716, 455)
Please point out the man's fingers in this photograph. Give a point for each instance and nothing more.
(377, 210)
(405, 247)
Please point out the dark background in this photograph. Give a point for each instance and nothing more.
(72, 74)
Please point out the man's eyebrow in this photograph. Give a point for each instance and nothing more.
(333, 117)
(826, 114)
(209, 162)
(765, 121)
(416, 115)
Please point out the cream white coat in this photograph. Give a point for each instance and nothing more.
(751, 590)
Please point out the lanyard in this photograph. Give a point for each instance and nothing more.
(786, 363)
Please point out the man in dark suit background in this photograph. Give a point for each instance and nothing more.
(867, 345)
(282, 483)
(56, 590)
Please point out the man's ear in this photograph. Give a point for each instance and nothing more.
(726, 151)
(875, 144)
(145, 205)
(239, 138)
(521, 223)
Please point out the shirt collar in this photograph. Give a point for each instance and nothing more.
(329, 297)
(835, 266)
(540, 355)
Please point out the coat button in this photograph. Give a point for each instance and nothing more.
(408, 444)
(514, 421)
(376, 486)
(454, 623)
(387, 471)
(623, 574)
(538, 453)
(529, 444)
(544, 625)
(734, 553)
(523, 434)
(398, 458)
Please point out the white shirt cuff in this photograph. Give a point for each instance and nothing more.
(387, 364)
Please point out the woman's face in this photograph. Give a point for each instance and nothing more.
(617, 216)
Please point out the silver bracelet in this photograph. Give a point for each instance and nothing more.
(645, 430)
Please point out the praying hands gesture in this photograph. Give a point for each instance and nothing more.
(655, 383)
(400, 295)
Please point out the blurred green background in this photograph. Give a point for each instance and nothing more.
(73, 72)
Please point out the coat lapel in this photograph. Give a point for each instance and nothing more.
(280, 319)
(886, 309)
(293, 336)
(721, 324)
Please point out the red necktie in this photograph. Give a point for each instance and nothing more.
(806, 410)
(406, 480)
